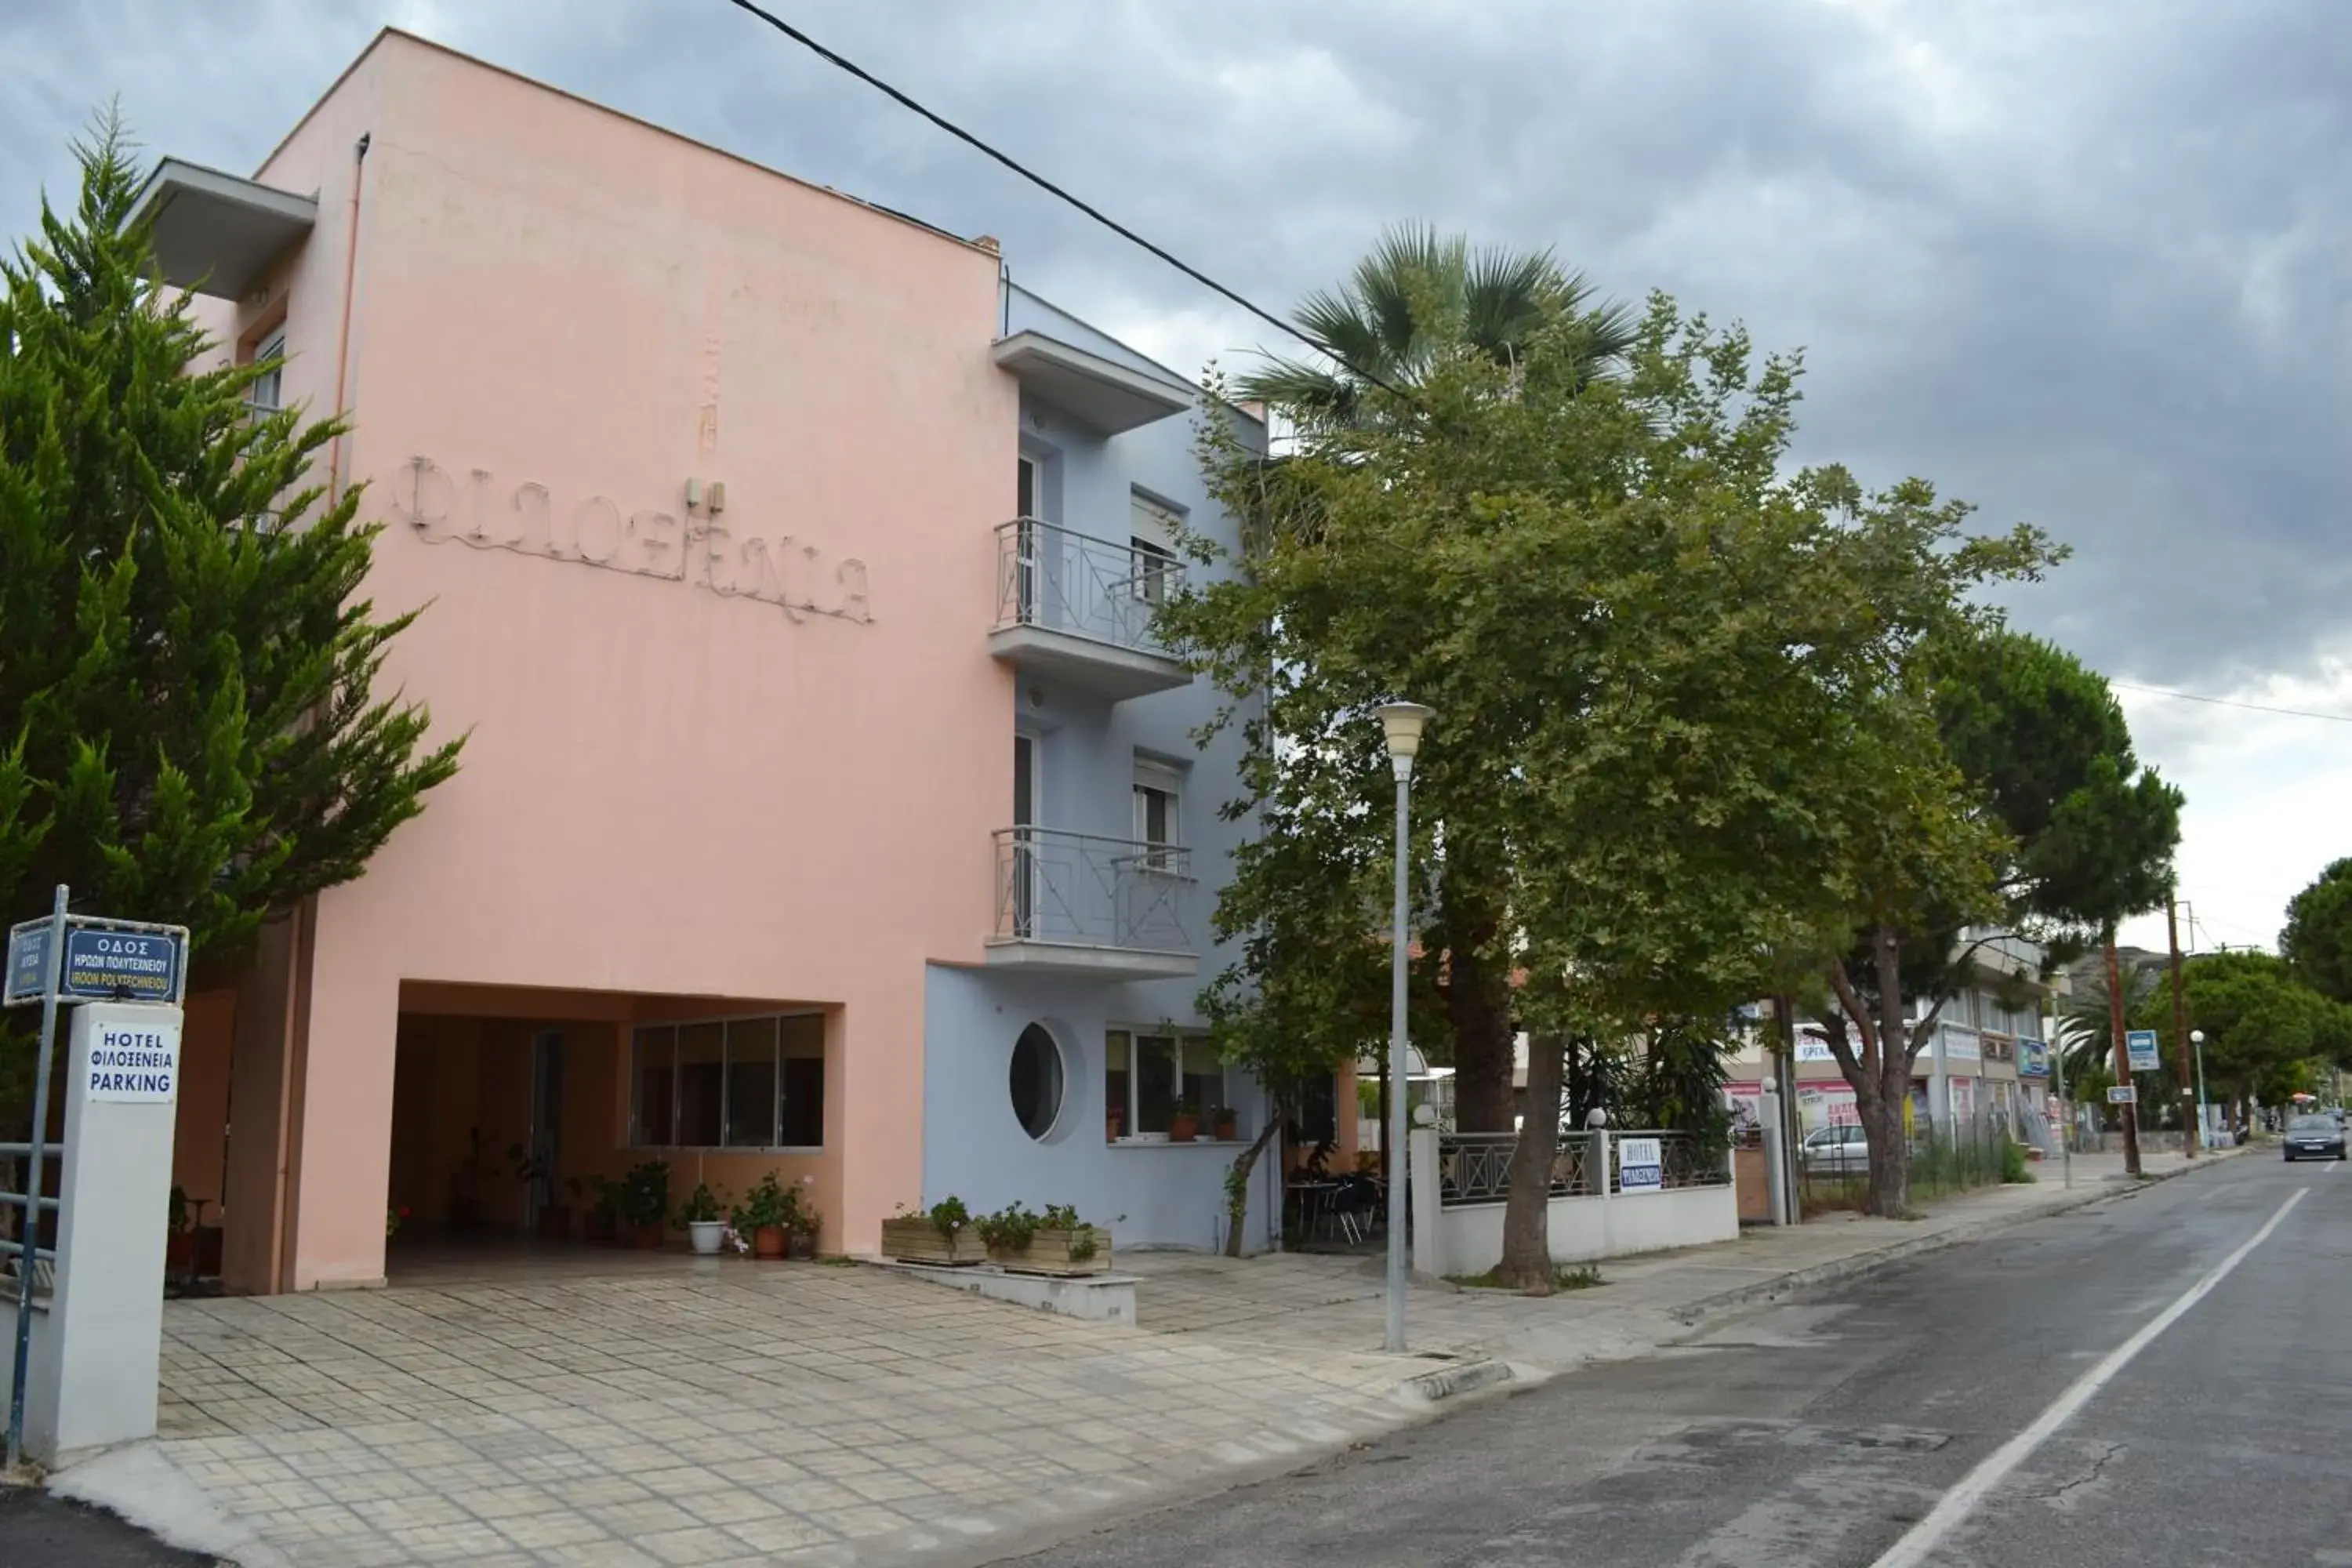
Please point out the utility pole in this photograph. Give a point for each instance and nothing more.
(2191, 1132)
(2123, 1059)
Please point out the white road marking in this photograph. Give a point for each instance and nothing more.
(1927, 1534)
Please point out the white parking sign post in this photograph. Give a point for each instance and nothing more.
(85, 1360)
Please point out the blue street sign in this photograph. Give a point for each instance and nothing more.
(28, 956)
(103, 965)
(2033, 1058)
(2139, 1046)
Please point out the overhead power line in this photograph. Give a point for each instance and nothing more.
(842, 62)
(2230, 702)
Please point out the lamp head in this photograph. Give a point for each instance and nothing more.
(1401, 723)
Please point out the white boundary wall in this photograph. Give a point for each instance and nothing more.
(1469, 1240)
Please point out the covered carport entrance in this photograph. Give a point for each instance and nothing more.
(514, 1109)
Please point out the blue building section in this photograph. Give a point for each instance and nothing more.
(1071, 1065)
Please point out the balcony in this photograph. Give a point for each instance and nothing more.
(1079, 610)
(1071, 903)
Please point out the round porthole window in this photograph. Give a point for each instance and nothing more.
(1036, 1081)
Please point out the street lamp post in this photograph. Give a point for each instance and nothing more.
(2196, 1039)
(1401, 723)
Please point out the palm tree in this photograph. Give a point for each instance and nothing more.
(1417, 297)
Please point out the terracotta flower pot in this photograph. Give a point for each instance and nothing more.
(649, 1238)
(1226, 1127)
(1184, 1128)
(768, 1241)
(179, 1251)
(1110, 1127)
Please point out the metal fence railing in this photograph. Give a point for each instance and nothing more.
(1083, 890)
(12, 1248)
(1475, 1167)
(1048, 576)
(1684, 1160)
(1950, 1156)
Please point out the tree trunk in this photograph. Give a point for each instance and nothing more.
(1237, 1180)
(1478, 1004)
(1527, 1229)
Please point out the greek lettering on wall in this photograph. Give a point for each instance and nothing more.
(692, 545)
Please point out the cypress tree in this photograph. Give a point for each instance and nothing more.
(190, 729)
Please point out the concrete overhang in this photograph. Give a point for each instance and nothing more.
(217, 233)
(1101, 394)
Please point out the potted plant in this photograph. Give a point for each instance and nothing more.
(180, 1237)
(942, 1234)
(1113, 1119)
(465, 1185)
(1053, 1242)
(1184, 1122)
(802, 1224)
(704, 1229)
(532, 1169)
(763, 1216)
(1223, 1121)
(645, 1203)
(604, 1222)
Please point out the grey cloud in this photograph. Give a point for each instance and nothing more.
(2082, 263)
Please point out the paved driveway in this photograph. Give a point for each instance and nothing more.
(707, 1411)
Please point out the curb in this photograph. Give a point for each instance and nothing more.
(1446, 1382)
(1870, 1262)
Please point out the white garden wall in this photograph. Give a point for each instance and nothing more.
(1469, 1239)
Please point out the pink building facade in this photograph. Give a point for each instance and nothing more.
(708, 480)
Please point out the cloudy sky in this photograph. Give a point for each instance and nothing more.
(2083, 263)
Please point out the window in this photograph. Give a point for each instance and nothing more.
(1159, 818)
(265, 395)
(1149, 1074)
(1036, 1081)
(1152, 541)
(730, 1083)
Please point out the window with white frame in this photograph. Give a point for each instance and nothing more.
(1159, 811)
(1152, 538)
(728, 1083)
(264, 395)
(1149, 1074)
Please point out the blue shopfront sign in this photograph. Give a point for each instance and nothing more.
(2033, 1058)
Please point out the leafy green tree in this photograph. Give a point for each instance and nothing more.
(2263, 1028)
(189, 725)
(2084, 835)
(1655, 661)
(2317, 942)
(1416, 306)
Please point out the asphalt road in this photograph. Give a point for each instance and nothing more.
(37, 1531)
(1823, 1430)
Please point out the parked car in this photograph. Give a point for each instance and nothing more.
(2315, 1137)
(1841, 1149)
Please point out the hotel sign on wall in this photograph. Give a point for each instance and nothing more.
(698, 548)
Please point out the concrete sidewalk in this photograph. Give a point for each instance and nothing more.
(693, 1411)
(1305, 1300)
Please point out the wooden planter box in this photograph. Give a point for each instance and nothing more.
(1048, 1252)
(918, 1240)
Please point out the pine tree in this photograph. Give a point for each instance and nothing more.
(189, 725)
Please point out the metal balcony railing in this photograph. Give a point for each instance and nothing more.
(1076, 889)
(1048, 576)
